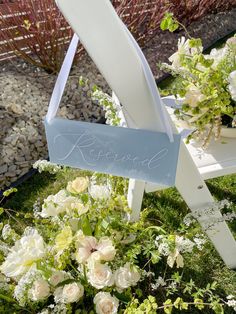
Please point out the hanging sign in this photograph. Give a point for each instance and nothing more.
(131, 153)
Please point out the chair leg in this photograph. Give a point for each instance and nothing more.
(135, 197)
(197, 196)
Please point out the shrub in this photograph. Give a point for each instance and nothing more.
(35, 31)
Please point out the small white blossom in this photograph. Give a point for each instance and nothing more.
(164, 249)
(46, 166)
(184, 245)
(160, 282)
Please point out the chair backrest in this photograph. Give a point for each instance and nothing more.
(110, 46)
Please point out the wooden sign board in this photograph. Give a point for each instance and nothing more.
(131, 153)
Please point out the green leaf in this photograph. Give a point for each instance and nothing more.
(199, 304)
(168, 306)
(84, 224)
(9, 191)
(1, 210)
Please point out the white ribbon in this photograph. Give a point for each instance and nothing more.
(65, 71)
(62, 79)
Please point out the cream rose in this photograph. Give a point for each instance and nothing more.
(126, 276)
(40, 290)
(100, 276)
(105, 303)
(72, 292)
(23, 255)
(77, 186)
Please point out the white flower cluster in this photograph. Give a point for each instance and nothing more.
(35, 265)
(93, 253)
(181, 245)
(209, 214)
(159, 282)
(8, 233)
(46, 166)
(60, 203)
(231, 301)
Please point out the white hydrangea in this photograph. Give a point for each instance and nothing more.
(40, 290)
(217, 55)
(184, 245)
(62, 202)
(231, 301)
(46, 166)
(100, 192)
(24, 284)
(163, 248)
(232, 85)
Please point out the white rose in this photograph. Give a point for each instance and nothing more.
(72, 292)
(105, 303)
(100, 276)
(23, 255)
(40, 290)
(126, 276)
(100, 192)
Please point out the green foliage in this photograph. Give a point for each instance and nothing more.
(204, 82)
(169, 22)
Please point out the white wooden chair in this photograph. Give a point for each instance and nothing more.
(119, 60)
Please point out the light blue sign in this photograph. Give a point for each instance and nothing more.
(131, 153)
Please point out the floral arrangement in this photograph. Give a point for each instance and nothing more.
(205, 84)
(81, 253)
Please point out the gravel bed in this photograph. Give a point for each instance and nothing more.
(25, 92)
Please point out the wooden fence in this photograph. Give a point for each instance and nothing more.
(13, 18)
